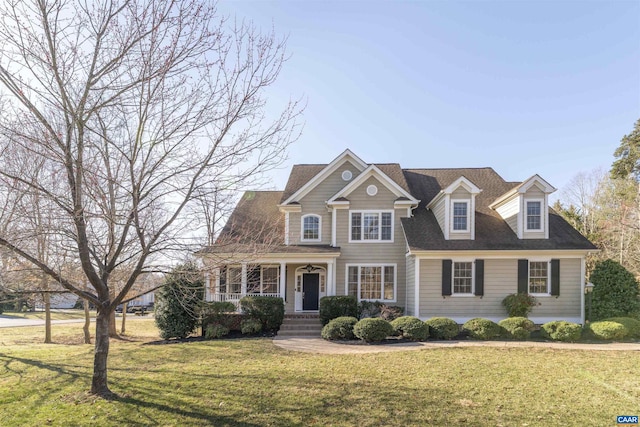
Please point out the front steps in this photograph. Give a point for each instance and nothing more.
(300, 325)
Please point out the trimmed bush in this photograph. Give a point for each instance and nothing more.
(616, 292)
(518, 328)
(268, 310)
(379, 309)
(218, 312)
(632, 325)
(519, 305)
(340, 328)
(216, 331)
(442, 328)
(411, 328)
(337, 306)
(372, 329)
(482, 329)
(250, 326)
(560, 330)
(610, 331)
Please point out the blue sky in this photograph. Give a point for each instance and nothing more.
(524, 87)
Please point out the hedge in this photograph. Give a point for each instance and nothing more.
(268, 310)
(340, 328)
(337, 306)
(482, 329)
(518, 328)
(560, 330)
(411, 328)
(442, 328)
(372, 329)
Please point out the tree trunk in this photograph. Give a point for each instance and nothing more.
(87, 322)
(124, 318)
(99, 383)
(47, 317)
(113, 332)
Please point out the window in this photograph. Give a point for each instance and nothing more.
(269, 280)
(538, 277)
(234, 280)
(311, 228)
(462, 278)
(372, 226)
(534, 216)
(260, 280)
(372, 282)
(460, 216)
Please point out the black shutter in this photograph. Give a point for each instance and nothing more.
(446, 277)
(523, 276)
(555, 277)
(479, 290)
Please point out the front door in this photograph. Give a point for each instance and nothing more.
(310, 291)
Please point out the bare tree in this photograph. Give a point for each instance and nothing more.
(133, 106)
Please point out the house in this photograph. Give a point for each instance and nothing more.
(439, 242)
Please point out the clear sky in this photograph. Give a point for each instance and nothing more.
(525, 87)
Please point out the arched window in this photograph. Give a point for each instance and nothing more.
(311, 228)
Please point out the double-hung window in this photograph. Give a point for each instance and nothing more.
(538, 277)
(371, 226)
(234, 280)
(372, 282)
(534, 216)
(311, 228)
(462, 278)
(460, 216)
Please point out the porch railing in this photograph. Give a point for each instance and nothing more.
(235, 297)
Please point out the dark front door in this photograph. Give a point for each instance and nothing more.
(310, 291)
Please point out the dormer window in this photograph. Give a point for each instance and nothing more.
(311, 228)
(460, 216)
(534, 215)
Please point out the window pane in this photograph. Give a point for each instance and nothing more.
(386, 226)
(253, 280)
(234, 280)
(353, 281)
(538, 277)
(311, 228)
(462, 277)
(270, 280)
(355, 226)
(370, 224)
(459, 216)
(533, 216)
(389, 283)
(370, 282)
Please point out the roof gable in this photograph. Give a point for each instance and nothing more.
(346, 156)
(373, 171)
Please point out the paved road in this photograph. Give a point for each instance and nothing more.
(11, 321)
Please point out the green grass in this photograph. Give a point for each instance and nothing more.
(251, 382)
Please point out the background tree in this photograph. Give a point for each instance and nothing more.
(132, 107)
(615, 293)
(178, 301)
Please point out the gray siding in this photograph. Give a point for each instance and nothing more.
(410, 295)
(315, 203)
(375, 252)
(500, 280)
(509, 212)
(439, 211)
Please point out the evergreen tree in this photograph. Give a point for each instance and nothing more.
(615, 293)
(177, 301)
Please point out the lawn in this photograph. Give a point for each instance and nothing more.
(250, 382)
(55, 314)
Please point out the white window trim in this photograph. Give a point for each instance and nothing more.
(302, 239)
(542, 294)
(395, 281)
(468, 224)
(375, 211)
(473, 278)
(542, 216)
(244, 274)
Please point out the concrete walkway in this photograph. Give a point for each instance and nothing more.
(320, 346)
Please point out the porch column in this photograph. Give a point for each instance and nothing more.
(207, 286)
(216, 276)
(283, 281)
(416, 284)
(331, 284)
(243, 283)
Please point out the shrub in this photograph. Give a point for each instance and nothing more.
(610, 331)
(632, 325)
(378, 309)
(217, 312)
(216, 331)
(518, 328)
(177, 302)
(250, 326)
(411, 328)
(268, 310)
(337, 306)
(482, 329)
(560, 330)
(340, 328)
(372, 329)
(615, 293)
(519, 305)
(442, 328)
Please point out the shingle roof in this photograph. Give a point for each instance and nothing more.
(491, 231)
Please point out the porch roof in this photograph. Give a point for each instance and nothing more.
(256, 250)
